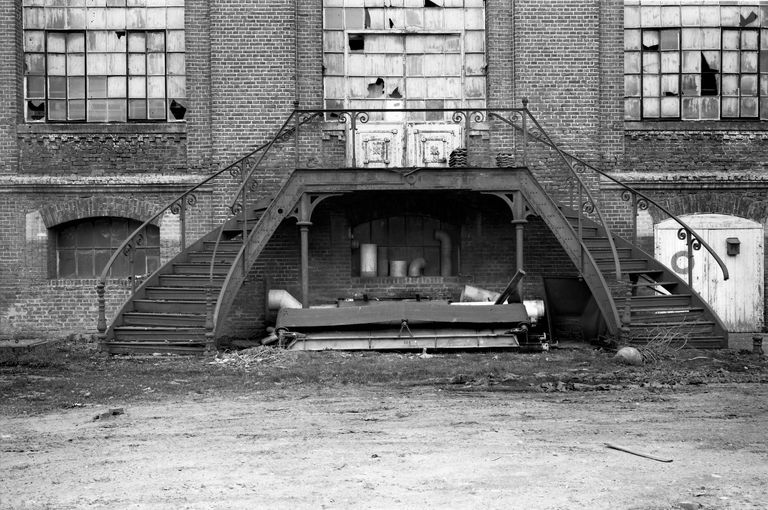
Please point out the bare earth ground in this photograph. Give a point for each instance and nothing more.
(337, 430)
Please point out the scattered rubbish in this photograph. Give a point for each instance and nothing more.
(629, 355)
(260, 355)
(645, 455)
(113, 411)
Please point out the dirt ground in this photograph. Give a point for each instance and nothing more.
(460, 443)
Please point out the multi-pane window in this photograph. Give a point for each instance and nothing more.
(104, 60)
(84, 247)
(425, 55)
(695, 62)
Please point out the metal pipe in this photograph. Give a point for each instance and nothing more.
(416, 268)
(445, 252)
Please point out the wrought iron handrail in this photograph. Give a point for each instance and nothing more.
(641, 201)
(178, 206)
(588, 206)
(246, 165)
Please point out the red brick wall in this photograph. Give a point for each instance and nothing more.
(702, 150)
(10, 83)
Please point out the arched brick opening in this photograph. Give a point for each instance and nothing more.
(97, 206)
(752, 204)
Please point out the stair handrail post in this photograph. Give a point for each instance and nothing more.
(183, 222)
(353, 134)
(209, 340)
(243, 214)
(524, 116)
(634, 218)
(580, 225)
(296, 133)
(626, 316)
(467, 120)
(101, 321)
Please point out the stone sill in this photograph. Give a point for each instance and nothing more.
(696, 125)
(85, 128)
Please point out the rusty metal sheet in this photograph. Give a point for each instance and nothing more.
(393, 314)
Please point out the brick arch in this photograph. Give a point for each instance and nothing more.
(752, 205)
(97, 206)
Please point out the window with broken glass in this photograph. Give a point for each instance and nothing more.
(104, 60)
(420, 54)
(695, 62)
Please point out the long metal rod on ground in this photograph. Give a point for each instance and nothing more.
(626, 450)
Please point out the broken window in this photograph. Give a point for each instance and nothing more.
(388, 56)
(97, 64)
(695, 62)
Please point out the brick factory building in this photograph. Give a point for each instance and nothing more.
(312, 145)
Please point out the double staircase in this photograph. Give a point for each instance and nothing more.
(181, 307)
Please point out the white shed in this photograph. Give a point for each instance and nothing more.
(739, 242)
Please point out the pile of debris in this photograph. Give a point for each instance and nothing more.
(262, 355)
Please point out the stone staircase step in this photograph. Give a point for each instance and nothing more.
(146, 319)
(125, 347)
(160, 334)
(177, 293)
(191, 280)
(626, 264)
(603, 253)
(206, 256)
(196, 306)
(657, 301)
(224, 245)
(199, 268)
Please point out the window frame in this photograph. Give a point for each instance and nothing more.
(87, 92)
(695, 107)
(151, 252)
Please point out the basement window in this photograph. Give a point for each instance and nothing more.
(84, 247)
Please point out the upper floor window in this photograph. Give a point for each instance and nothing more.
(84, 247)
(695, 62)
(104, 60)
(419, 54)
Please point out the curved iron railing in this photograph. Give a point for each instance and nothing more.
(639, 201)
(178, 205)
(585, 201)
(472, 120)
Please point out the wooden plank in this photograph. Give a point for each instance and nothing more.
(393, 314)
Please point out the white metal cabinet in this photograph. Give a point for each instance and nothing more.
(739, 301)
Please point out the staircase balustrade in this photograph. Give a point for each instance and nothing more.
(638, 201)
(512, 129)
